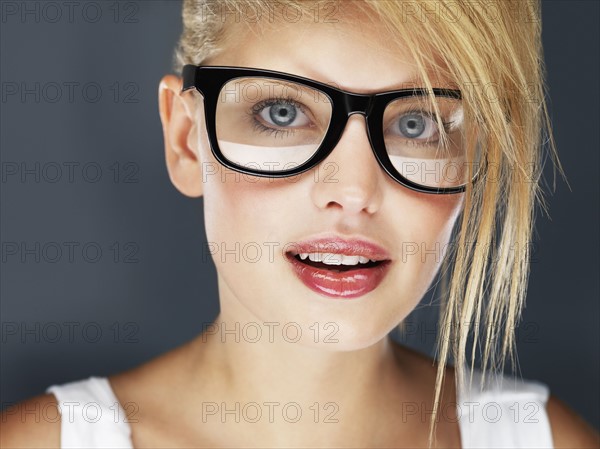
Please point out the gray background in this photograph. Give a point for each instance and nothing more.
(69, 316)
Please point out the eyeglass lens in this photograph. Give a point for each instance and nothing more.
(273, 125)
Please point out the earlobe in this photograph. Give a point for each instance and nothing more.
(177, 114)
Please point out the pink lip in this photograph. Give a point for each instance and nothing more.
(337, 245)
(344, 284)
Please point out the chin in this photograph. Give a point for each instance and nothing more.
(332, 333)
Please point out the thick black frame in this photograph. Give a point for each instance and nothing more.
(209, 80)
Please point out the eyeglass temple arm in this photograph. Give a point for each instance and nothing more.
(189, 77)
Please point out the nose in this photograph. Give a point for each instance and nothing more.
(350, 178)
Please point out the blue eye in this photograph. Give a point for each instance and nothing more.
(415, 126)
(282, 114)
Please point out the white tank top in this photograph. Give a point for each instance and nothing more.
(507, 413)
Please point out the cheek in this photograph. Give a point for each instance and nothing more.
(424, 233)
(247, 220)
(249, 216)
(433, 216)
(240, 206)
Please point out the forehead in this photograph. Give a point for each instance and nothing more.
(352, 52)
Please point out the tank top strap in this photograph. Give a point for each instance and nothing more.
(507, 412)
(91, 415)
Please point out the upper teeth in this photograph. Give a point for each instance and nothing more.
(335, 259)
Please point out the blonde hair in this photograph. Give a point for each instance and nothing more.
(494, 49)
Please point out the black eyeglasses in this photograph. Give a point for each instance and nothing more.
(273, 124)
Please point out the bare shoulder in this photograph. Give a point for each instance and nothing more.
(569, 430)
(36, 422)
(32, 423)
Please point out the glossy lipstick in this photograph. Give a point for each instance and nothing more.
(340, 281)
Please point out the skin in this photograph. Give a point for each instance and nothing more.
(364, 373)
(371, 206)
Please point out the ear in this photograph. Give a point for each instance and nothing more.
(177, 114)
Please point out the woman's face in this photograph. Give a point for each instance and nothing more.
(251, 221)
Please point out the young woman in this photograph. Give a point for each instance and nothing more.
(337, 146)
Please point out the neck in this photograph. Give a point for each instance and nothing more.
(233, 368)
(265, 368)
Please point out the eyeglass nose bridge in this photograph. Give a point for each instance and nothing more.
(357, 103)
(362, 104)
